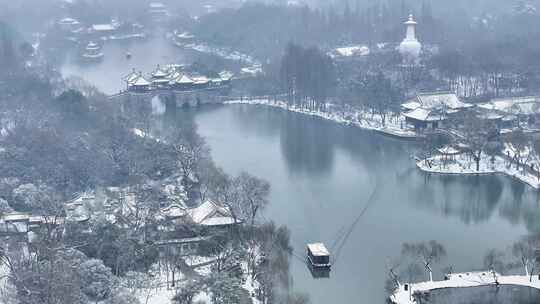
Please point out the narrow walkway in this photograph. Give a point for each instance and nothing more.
(461, 280)
(348, 118)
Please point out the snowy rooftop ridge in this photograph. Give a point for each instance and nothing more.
(211, 214)
(525, 105)
(422, 114)
(436, 99)
(350, 51)
(318, 249)
(103, 27)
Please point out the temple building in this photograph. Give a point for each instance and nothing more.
(512, 112)
(174, 77)
(410, 48)
(431, 110)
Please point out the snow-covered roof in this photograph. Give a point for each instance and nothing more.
(439, 99)
(252, 70)
(527, 108)
(15, 217)
(226, 75)
(517, 105)
(448, 150)
(156, 5)
(68, 21)
(174, 211)
(217, 221)
(201, 80)
(185, 35)
(160, 80)
(141, 82)
(318, 249)
(131, 77)
(159, 72)
(423, 115)
(411, 105)
(103, 27)
(174, 75)
(210, 214)
(92, 46)
(350, 51)
(184, 80)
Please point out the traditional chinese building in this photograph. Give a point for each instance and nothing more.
(431, 110)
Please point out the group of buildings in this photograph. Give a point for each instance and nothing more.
(430, 111)
(90, 36)
(76, 31)
(173, 77)
(118, 206)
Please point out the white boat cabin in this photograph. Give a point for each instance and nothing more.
(318, 255)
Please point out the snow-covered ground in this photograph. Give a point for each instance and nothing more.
(249, 284)
(461, 280)
(463, 164)
(4, 272)
(221, 52)
(156, 288)
(394, 126)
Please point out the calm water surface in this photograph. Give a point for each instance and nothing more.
(146, 55)
(485, 295)
(322, 175)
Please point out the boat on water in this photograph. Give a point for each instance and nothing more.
(92, 52)
(318, 256)
(318, 260)
(128, 55)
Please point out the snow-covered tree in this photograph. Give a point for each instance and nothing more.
(97, 279)
(494, 262)
(122, 296)
(427, 253)
(525, 250)
(4, 206)
(226, 289)
(25, 196)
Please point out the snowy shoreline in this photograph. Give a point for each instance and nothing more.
(341, 118)
(463, 166)
(462, 280)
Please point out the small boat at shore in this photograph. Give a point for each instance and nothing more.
(92, 52)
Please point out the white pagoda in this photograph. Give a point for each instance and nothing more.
(410, 47)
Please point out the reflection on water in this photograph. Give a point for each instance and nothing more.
(485, 295)
(322, 175)
(306, 147)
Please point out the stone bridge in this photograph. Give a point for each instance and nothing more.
(173, 98)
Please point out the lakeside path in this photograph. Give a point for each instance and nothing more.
(462, 165)
(348, 118)
(462, 280)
